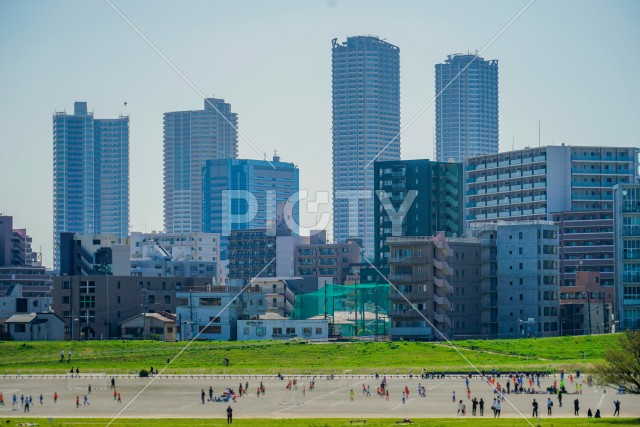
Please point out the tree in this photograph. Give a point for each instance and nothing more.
(621, 368)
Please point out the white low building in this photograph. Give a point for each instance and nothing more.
(35, 327)
(272, 326)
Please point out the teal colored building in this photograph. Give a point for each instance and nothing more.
(438, 204)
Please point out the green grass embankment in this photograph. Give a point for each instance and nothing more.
(276, 356)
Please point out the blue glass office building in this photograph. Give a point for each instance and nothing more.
(262, 186)
(366, 128)
(90, 175)
(466, 108)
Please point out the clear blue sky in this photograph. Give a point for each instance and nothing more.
(572, 64)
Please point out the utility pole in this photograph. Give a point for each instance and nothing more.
(104, 266)
(355, 310)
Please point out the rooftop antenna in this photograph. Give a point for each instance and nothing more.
(513, 144)
(538, 133)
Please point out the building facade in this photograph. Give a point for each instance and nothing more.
(94, 306)
(627, 250)
(420, 306)
(426, 196)
(534, 183)
(191, 138)
(269, 327)
(15, 245)
(519, 279)
(586, 244)
(466, 297)
(87, 255)
(252, 253)
(90, 175)
(155, 326)
(366, 128)
(192, 254)
(279, 293)
(35, 327)
(329, 262)
(586, 307)
(466, 107)
(242, 194)
(214, 314)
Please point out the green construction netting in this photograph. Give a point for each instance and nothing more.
(353, 310)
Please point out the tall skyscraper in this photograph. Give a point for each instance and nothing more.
(466, 108)
(190, 139)
(90, 175)
(239, 194)
(366, 128)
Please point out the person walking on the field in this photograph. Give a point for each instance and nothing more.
(534, 413)
(481, 404)
(229, 415)
(616, 412)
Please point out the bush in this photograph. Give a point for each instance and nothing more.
(144, 373)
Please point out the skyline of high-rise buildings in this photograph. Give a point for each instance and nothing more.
(366, 128)
(90, 175)
(190, 139)
(466, 107)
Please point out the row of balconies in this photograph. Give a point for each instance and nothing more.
(507, 162)
(408, 260)
(409, 313)
(413, 296)
(408, 277)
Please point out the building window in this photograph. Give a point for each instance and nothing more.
(87, 301)
(291, 331)
(318, 331)
(167, 299)
(277, 331)
(66, 285)
(211, 301)
(118, 299)
(88, 287)
(66, 299)
(211, 329)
